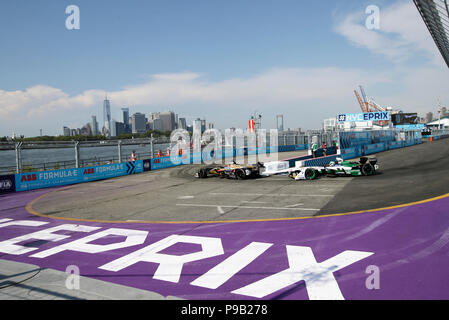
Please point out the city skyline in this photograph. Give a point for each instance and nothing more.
(135, 123)
(299, 59)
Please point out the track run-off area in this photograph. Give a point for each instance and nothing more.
(171, 235)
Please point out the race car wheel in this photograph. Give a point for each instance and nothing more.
(368, 169)
(310, 174)
(240, 174)
(202, 174)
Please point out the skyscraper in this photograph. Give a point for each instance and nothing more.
(168, 120)
(113, 131)
(203, 125)
(157, 125)
(126, 125)
(138, 123)
(106, 115)
(66, 131)
(94, 125)
(182, 124)
(197, 125)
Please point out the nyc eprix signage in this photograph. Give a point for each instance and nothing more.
(48, 179)
(367, 116)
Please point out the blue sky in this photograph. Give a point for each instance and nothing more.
(201, 58)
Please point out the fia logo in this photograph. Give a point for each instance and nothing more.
(342, 117)
(5, 184)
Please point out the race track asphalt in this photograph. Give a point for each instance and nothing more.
(172, 195)
(407, 175)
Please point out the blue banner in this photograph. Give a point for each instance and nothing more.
(419, 126)
(54, 178)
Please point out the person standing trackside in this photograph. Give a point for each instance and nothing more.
(324, 147)
(133, 156)
(314, 149)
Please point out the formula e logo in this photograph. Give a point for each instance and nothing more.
(5, 184)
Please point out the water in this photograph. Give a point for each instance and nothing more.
(50, 159)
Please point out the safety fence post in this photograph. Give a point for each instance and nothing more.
(119, 147)
(77, 154)
(152, 147)
(18, 148)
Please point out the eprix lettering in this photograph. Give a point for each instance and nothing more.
(318, 277)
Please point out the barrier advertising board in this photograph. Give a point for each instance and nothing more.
(7, 184)
(54, 178)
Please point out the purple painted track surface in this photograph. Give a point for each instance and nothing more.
(410, 246)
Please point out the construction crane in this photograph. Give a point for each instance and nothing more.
(369, 105)
(361, 103)
(373, 104)
(365, 100)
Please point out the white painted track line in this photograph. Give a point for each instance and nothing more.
(271, 194)
(243, 207)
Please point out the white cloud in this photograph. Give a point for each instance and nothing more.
(402, 33)
(227, 103)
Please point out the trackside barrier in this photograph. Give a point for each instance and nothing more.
(54, 178)
(395, 145)
(301, 147)
(364, 150)
(443, 136)
(199, 157)
(373, 148)
(7, 184)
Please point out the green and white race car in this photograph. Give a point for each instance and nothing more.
(365, 167)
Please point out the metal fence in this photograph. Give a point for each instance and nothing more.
(20, 157)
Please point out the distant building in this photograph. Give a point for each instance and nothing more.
(138, 123)
(197, 125)
(182, 123)
(157, 125)
(203, 125)
(120, 128)
(66, 131)
(126, 122)
(429, 116)
(88, 129)
(73, 132)
(154, 115)
(168, 121)
(330, 124)
(106, 116)
(94, 126)
(107, 129)
(442, 123)
(113, 132)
